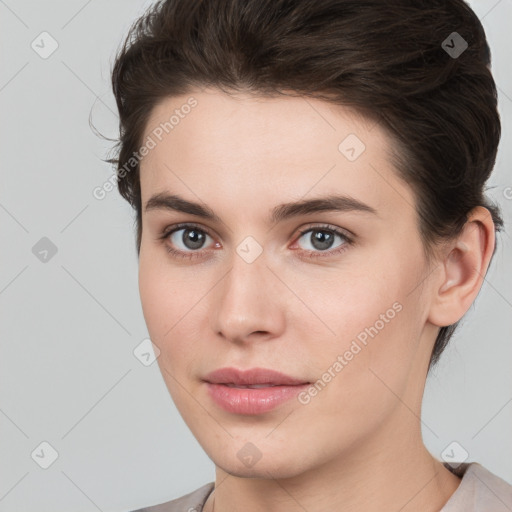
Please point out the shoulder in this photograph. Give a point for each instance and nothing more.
(479, 491)
(192, 502)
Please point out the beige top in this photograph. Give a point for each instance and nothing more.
(479, 491)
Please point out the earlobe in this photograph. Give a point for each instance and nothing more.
(463, 269)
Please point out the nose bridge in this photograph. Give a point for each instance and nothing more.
(245, 301)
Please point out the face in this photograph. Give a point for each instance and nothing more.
(333, 296)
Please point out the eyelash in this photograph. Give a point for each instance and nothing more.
(312, 254)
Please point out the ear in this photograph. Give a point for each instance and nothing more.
(462, 269)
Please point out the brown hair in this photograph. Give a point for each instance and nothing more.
(394, 62)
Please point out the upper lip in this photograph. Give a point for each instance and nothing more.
(252, 376)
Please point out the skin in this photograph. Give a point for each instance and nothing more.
(357, 444)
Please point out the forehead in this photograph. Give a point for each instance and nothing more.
(213, 143)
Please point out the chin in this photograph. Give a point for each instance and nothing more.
(268, 466)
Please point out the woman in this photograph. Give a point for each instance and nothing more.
(308, 180)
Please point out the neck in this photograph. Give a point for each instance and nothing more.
(392, 472)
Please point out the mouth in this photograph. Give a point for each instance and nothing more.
(249, 386)
(253, 391)
(254, 377)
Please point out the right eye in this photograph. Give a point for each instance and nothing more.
(188, 238)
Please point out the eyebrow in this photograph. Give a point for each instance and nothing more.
(334, 203)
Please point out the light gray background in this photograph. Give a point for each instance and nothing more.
(68, 375)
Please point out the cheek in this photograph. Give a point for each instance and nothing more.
(352, 303)
(374, 323)
(173, 310)
(154, 303)
(361, 373)
(164, 294)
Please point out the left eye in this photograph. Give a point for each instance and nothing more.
(322, 239)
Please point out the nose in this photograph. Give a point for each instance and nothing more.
(247, 303)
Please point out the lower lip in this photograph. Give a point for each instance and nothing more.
(252, 400)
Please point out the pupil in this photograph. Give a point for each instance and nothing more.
(322, 239)
(194, 240)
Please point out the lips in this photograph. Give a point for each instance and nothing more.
(250, 386)
(252, 378)
(253, 391)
